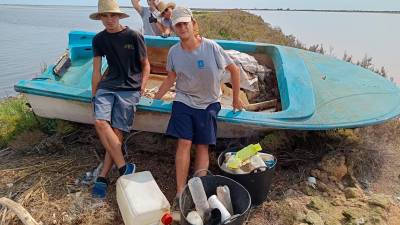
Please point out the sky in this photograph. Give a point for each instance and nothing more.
(294, 4)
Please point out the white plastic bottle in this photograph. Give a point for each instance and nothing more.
(141, 201)
(257, 162)
(224, 195)
(198, 195)
(194, 218)
(215, 203)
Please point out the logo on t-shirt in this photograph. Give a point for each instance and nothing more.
(129, 46)
(200, 64)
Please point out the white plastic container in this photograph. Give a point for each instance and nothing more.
(216, 203)
(141, 201)
(194, 218)
(198, 195)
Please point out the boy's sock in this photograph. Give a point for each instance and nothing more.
(122, 170)
(129, 168)
(102, 179)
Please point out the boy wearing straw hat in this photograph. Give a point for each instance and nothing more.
(165, 25)
(116, 93)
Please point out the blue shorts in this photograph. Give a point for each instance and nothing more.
(197, 125)
(116, 107)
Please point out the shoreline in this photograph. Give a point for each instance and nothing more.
(244, 9)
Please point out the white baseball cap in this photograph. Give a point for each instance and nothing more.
(181, 14)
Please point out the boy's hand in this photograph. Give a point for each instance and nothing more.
(237, 104)
(142, 91)
(157, 96)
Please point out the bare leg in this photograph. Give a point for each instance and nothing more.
(108, 162)
(110, 141)
(202, 160)
(182, 162)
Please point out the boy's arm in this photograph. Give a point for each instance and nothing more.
(137, 6)
(96, 76)
(235, 80)
(146, 74)
(166, 85)
(161, 27)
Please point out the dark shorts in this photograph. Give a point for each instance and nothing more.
(197, 125)
(116, 107)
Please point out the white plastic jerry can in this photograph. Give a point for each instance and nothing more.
(141, 201)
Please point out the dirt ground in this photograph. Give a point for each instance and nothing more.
(357, 172)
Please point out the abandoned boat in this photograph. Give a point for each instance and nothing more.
(314, 92)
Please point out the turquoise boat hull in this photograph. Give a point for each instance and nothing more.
(317, 92)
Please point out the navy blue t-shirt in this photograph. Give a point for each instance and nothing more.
(124, 51)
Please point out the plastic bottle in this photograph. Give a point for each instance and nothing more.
(87, 179)
(141, 201)
(257, 162)
(232, 171)
(97, 171)
(235, 161)
(215, 203)
(194, 218)
(199, 196)
(224, 195)
(248, 151)
(269, 159)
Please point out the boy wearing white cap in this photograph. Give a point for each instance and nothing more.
(116, 93)
(197, 65)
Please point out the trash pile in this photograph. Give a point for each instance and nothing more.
(151, 92)
(255, 78)
(248, 160)
(217, 209)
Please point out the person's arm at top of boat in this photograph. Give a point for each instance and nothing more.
(165, 26)
(96, 76)
(235, 81)
(165, 30)
(137, 6)
(166, 85)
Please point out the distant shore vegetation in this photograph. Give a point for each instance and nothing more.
(245, 26)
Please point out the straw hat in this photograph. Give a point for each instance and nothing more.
(162, 6)
(108, 6)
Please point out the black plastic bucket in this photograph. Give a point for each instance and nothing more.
(258, 184)
(241, 200)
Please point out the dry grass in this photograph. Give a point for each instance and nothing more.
(43, 175)
(240, 25)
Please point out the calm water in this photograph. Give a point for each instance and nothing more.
(32, 36)
(358, 34)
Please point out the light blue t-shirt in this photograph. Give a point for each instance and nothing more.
(198, 73)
